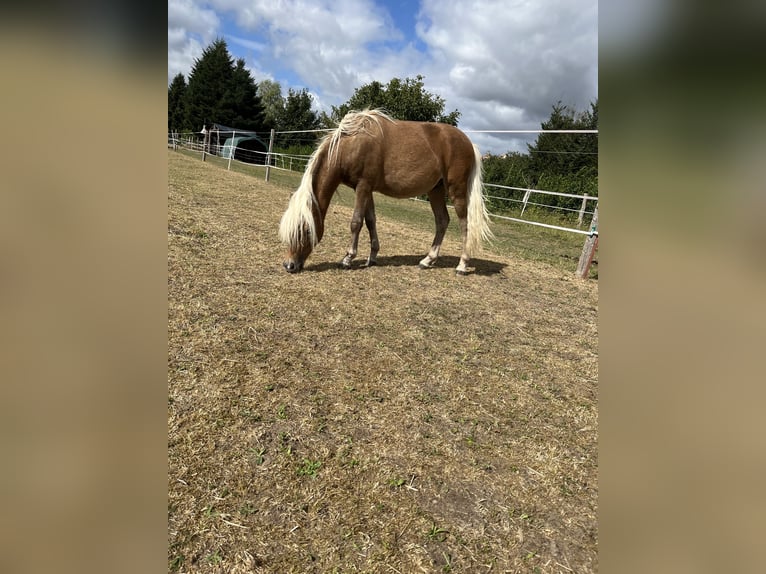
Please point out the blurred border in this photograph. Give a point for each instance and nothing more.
(682, 278)
(83, 291)
(83, 288)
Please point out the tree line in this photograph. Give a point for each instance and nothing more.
(221, 90)
(564, 163)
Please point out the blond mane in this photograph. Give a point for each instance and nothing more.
(353, 123)
(297, 224)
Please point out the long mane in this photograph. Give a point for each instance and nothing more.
(352, 124)
(298, 226)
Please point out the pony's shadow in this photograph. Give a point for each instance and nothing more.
(477, 266)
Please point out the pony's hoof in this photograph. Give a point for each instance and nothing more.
(423, 266)
(372, 263)
(460, 272)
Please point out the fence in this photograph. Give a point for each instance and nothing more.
(581, 212)
(272, 159)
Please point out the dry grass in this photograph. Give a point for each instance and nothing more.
(374, 420)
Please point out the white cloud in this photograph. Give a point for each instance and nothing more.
(325, 42)
(245, 43)
(190, 16)
(181, 57)
(190, 29)
(511, 61)
(501, 63)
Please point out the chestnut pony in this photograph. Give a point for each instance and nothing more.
(369, 151)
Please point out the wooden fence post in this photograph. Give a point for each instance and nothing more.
(582, 210)
(589, 248)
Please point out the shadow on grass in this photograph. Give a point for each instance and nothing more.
(477, 266)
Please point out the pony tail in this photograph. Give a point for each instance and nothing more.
(478, 216)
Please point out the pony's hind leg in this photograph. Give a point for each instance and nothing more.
(461, 210)
(363, 200)
(438, 202)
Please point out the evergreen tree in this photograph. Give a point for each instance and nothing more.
(210, 80)
(176, 94)
(242, 98)
(223, 92)
(404, 100)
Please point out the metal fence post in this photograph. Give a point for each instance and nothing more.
(268, 155)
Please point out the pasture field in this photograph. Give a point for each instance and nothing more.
(388, 419)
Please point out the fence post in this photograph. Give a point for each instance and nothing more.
(589, 248)
(205, 133)
(582, 210)
(526, 199)
(268, 155)
(231, 150)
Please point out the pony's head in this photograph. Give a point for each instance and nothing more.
(298, 227)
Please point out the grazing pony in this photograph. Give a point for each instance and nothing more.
(369, 151)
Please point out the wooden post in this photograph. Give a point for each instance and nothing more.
(582, 210)
(206, 133)
(268, 155)
(589, 248)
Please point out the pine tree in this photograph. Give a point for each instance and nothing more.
(222, 92)
(209, 81)
(246, 108)
(176, 95)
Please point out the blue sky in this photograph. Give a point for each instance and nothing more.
(501, 63)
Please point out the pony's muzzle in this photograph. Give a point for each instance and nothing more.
(292, 266)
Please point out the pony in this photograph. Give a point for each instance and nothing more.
(370, 151)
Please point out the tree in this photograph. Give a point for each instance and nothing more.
(566, 154)
(209, 81)
(176, 94)
(242, 97)
(221, 92)
(404, 100)
(565, 163)
(297, 115)
(270, 93)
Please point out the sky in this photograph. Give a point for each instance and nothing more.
(502, 64)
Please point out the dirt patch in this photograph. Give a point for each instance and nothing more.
(380, 420)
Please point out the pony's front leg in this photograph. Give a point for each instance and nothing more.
(363, 198)
(370, 222)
